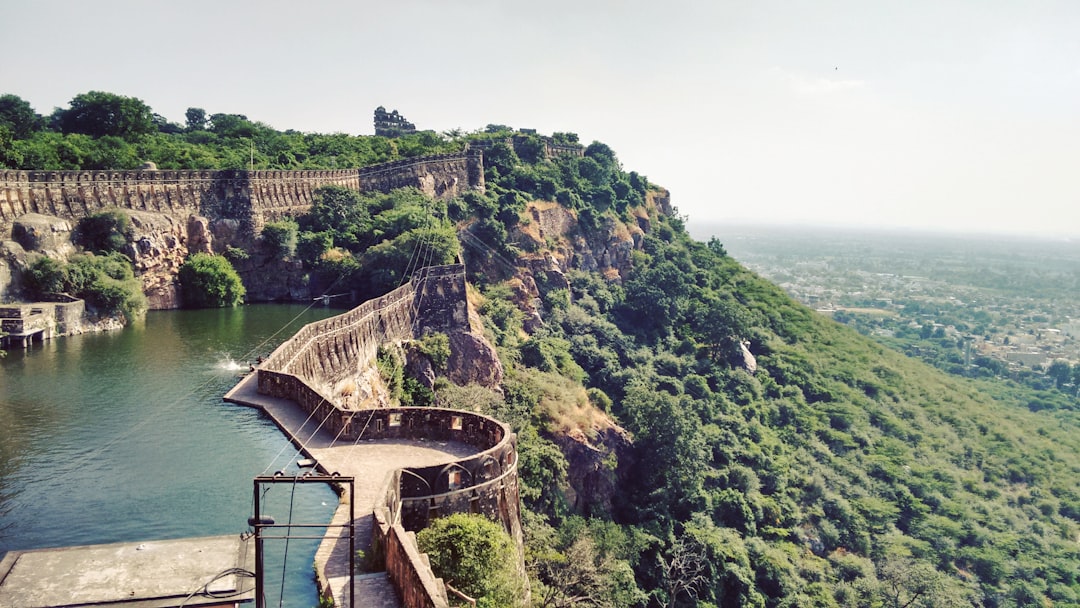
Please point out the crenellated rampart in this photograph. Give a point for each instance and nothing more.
(439, 176)
(306, 367)
(253, 197)
(485, 483)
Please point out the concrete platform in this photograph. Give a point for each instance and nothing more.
(150, 574)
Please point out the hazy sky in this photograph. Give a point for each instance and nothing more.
(931, 114)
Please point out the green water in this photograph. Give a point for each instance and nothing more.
(123, 436)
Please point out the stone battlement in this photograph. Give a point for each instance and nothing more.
(250, 196)
(307, 367)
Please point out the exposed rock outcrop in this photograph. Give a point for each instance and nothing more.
(157, 250)
(43, 233)
(605, 248)
(473, 360)
(592, 467)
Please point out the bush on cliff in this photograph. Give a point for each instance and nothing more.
(210, 281)
(371, 242)
(104, 231)
(279, 238)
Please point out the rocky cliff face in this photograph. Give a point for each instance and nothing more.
(158, 249)
(556, 242)
(31, 233)
(556, 231)
(473, 360)
(272, 280)
(592, 466)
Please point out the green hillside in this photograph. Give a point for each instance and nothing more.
(777, 457)
(837, 473)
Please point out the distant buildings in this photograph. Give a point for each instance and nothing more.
(391, 124)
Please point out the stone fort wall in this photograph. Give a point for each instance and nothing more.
(250, 196)
(307, 366)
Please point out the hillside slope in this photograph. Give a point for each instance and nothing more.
(778, 458)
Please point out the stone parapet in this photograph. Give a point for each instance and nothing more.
(254, 197)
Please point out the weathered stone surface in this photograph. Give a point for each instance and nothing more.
(157, 250)
(43, 233)
(556, 230)
(473, 360)
(200, 237)
(749, 362)
(419, 368)
(593, 480)
(271, 280)
(661, 199)
(12, 255)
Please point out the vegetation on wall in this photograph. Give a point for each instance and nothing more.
(104, 232)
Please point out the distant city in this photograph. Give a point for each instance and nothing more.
(977, 306)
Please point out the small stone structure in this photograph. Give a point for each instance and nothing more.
(391, 124)
(34, 322)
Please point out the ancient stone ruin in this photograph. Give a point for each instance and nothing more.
(391, 124)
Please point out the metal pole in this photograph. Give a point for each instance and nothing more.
(260, 601)
(352, 545)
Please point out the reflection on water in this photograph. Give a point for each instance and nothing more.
(123, 436)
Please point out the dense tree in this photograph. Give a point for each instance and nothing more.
(476, 556)
(280, 238)
(17, 115)
(195, 119)
(9, 156)
(104, 231)
(98, 114)
(1060, 371)
(209, 281)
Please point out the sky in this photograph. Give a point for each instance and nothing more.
(944, 115)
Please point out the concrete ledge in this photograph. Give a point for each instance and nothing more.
(149, 574)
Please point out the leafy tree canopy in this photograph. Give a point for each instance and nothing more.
(474, 555)
(99, 114)
(18, 116)
(209, 281)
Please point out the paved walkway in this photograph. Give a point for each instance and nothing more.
(370, 462)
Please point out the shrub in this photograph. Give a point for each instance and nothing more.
(310, 246)
(104, 231)
(436, 346)
(209, 281)
(235, 254)
(279, 238)
(106, 282)
(44, 276)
